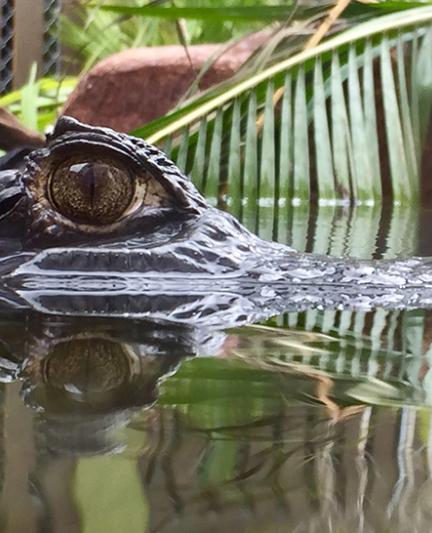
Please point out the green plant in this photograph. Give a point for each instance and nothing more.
(237, 140)
(98, 29)
(37, 103)
(330, 101)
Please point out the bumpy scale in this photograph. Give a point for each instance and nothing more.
(102, 223)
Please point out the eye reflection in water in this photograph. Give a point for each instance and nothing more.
(120, 426)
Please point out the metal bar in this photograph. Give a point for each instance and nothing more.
(28, 38)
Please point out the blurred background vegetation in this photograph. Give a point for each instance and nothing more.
(344, 74)
(92, 33)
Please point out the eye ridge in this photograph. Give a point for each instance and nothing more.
(96, 192)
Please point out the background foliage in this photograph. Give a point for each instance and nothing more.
(359, 102)
(108, 32)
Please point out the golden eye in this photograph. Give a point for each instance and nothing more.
(91, 365)
(96, 193)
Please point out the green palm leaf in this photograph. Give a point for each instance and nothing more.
(219, 14)
(324, 137)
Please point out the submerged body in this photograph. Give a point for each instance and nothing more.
(102, 223)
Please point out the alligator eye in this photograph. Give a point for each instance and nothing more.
(94, 193)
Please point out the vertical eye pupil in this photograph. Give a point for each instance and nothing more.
(91, 192)
(89, 179)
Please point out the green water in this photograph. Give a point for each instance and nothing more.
(312, 422)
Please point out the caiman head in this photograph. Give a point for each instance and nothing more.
(91, 182)
(97, 220)
(121, 224)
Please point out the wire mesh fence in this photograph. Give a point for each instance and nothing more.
(51, 38)
(7, 39)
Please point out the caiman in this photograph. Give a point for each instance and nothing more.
(101, 223)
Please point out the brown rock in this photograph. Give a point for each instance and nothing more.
(13, 134)
(131, 88)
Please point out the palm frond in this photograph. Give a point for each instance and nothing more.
(325, 138)
(220, 14)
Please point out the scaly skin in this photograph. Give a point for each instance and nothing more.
(169, 255)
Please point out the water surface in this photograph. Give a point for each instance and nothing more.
(311, 422)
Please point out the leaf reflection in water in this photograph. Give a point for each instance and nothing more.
(121, 424)
(269, 429)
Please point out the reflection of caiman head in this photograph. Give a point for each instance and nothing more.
(93, 181)
(87, 378)
(100, 369)
(91, 374)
